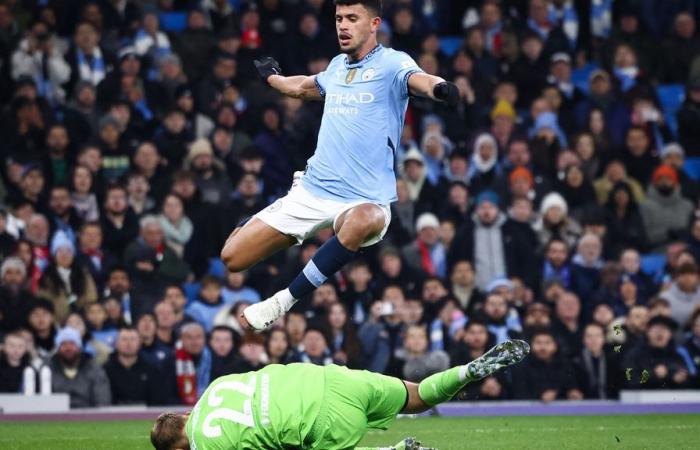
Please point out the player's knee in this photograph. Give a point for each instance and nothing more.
(231, 256)
(368, 219)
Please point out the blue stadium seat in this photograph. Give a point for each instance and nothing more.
(191, 291)
(173, 21)
(671, 97)
(580, 76)
(216, 268)
(450, 45)
(653, 264)
(691, 167)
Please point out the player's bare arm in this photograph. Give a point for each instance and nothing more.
(297, 86)
(425, 85)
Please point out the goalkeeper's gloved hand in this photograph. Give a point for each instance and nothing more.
(267, 66)
(447, 92)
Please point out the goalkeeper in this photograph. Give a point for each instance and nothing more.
(314, 407)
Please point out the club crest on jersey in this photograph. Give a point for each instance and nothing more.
(350, 76)
(368, 74)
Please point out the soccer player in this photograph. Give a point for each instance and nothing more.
(349, 182)
(314, 407)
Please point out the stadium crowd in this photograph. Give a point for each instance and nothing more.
(135, 136)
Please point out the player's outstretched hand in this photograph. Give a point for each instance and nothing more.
(447, 92)
(267, 66)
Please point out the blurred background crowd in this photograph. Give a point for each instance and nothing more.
(558, 202)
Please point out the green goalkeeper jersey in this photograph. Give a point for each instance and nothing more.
(274, 407)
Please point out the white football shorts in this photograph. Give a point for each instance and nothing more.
(301, 215)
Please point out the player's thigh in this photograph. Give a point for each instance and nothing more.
(252, 243)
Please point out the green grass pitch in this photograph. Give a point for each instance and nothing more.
(578, 432)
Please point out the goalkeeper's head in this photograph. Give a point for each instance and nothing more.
(168, 432)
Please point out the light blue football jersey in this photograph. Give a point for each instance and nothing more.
(365, 105)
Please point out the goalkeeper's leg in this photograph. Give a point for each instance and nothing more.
(442, 386)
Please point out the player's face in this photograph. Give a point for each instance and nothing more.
(355, 25)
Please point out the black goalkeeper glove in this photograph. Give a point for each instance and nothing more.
(267, 66)
(447, 92)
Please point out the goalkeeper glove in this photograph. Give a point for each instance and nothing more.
(267, 66)
(447, 92)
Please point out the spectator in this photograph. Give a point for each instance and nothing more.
(225, 360)
(132, 379)
(692, 342)
(15, 300)
(664, 212)
(554, 221)
(315, 348)
(495, 244)
(119, 222)
(98, 350)
(14, 358)
(597, 372)
(623, 220)
(688, 115)
(672, 154)
(566, 326)
(153, 262)
(88, 62)
(495, 316)
(463, 286)
(42, 326)
(586, 266)
(176, 226)
(545, 375)
(193, 363)
(74, 373)
(427, 253)
(211, 179)
(344, 342)
(277, 347)
(208, 303)
(166, 323)
(658, 356)
(420, 362)
(684, 293)
(92, 255)
(474, 342)
(83, 197)
(153, 350)
(118, 286)
(556, 266)
(40, 57)
(99, 327)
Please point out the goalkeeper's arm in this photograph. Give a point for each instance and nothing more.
(299, 86)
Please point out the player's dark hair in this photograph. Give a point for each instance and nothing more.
(167, 432)
(374, 6)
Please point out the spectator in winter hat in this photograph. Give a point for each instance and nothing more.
(484, 168)
(65, 282)
(664, 212)
(427, 253)
(212, 181)
(672, 154)
(554, 221)
(75, 374)
(495, 244)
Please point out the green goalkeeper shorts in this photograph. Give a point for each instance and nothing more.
(354, 401)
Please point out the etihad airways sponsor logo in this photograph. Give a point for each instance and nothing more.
(350, 98)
